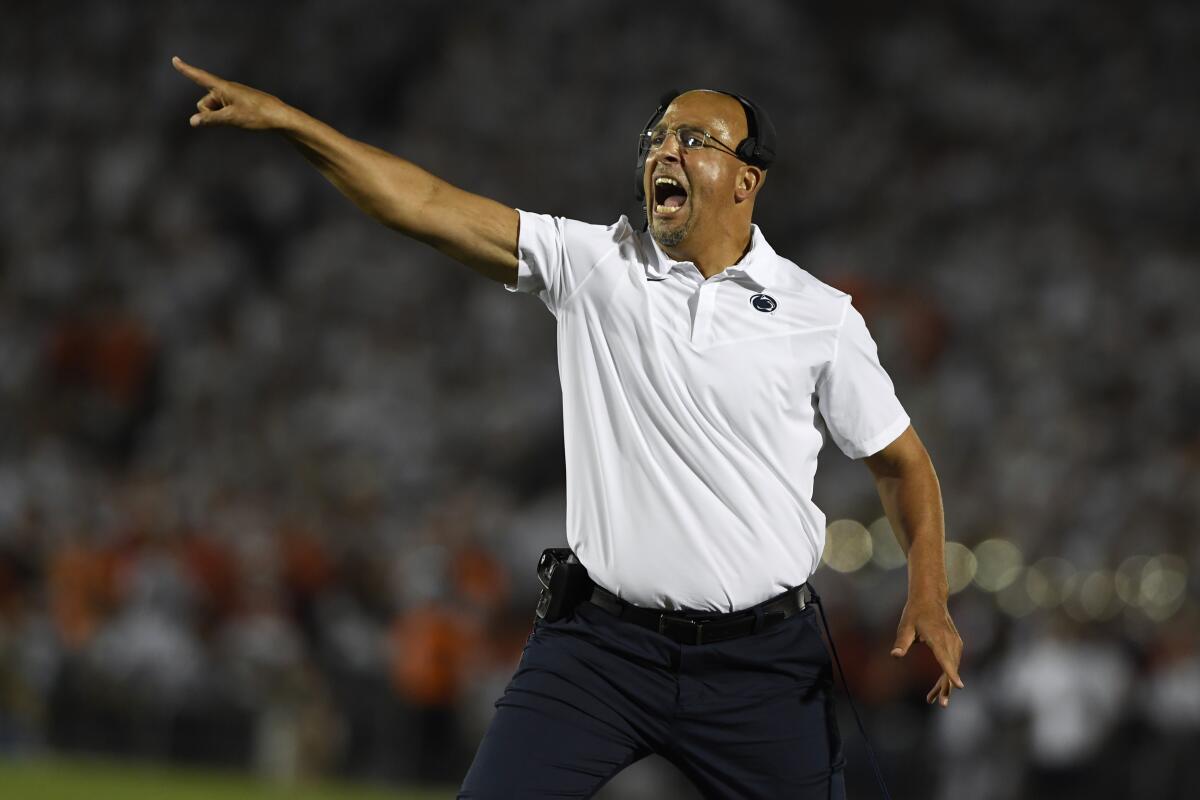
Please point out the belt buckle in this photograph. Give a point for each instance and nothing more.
(688, 624)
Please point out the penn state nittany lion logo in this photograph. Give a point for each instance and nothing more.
(764, 303)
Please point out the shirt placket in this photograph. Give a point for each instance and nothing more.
(705, 302)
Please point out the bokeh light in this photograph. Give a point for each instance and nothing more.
(1014, 599)
(1097, 597)
(1161, 593)
(887, 553)
(1128, 580)
(961, 566)
(999, 562)
(1050, 581)
(847, 546)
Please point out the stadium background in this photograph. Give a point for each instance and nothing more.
(273, 478)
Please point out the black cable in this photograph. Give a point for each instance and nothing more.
(861, 728)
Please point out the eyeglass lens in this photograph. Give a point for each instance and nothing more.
(689, 138)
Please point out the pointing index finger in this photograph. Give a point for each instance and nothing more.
(205, 79)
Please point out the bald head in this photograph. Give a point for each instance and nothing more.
(726, 112)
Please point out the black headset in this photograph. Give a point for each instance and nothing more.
(757, 149)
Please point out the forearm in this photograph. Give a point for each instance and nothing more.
(388, 188)
(475, 230)
(912, 500)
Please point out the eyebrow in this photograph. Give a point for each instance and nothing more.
(661, 127)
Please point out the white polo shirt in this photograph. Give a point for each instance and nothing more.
(690, 410)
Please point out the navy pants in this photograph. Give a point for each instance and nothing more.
(747, 718)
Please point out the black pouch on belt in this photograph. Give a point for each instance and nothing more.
(565, 583)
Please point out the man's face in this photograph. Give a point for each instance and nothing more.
(689, 188)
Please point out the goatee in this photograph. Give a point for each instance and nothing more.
(670, 236)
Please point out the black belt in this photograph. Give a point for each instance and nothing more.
(691, 627)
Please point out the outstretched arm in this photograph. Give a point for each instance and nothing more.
(477, 231)
(912, 500)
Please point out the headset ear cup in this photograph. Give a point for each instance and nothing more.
(758, 148)
(748, 150)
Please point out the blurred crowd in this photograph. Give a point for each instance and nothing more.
(273, 479)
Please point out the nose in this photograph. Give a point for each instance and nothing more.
(669, 150)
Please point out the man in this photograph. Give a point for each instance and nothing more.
(693, 361)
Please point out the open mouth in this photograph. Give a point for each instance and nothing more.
(669, 195)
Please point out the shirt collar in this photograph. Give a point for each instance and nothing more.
(756, 267)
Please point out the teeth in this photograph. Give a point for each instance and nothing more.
(667, 209)
(669, 181)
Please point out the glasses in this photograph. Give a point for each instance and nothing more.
(689, 138)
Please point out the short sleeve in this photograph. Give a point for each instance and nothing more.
(855, 395)
(555, 255)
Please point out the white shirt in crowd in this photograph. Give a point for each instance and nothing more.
(690, 410)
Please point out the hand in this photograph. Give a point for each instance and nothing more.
(930, 622)
(233, 104)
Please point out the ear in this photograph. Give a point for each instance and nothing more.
(749, 179)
